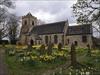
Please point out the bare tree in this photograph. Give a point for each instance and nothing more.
(88, 11)
(4, 6)
(12, 27)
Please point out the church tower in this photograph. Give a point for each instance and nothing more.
(28, 22)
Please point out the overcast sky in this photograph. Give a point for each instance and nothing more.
(46, 10)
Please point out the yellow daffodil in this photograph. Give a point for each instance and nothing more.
(34, 57)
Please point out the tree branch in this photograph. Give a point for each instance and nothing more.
(96, 29)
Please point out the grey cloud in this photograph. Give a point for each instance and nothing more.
(58, 10)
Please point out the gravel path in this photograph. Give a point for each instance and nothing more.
(3, 70)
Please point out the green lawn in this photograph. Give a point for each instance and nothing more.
(38, 67)
(17, 68)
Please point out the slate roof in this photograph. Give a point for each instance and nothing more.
(58, 27)
(79, 29)
(51, 28)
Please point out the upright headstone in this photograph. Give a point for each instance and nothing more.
(50, 47)
(89, 50)
(73, 55)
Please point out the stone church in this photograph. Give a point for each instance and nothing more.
(58, 32)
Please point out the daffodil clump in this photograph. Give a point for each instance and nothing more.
(60, 53)
(41, 55)
(9, 46)
(34, 58)
(11, 52)
(46, 58)
(24, 59)
(55, 46)
(78, 71)
(95, 52)
(21, 47)
(27, 53)
(36, 46)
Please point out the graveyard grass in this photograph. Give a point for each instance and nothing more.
(16, 67)
(36, 68)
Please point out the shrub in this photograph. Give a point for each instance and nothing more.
(10, 51)
(46, 58)
(13, 42)
(4, 42)
(29, 47)
(49, 49)
(59, 46)
(42, 49)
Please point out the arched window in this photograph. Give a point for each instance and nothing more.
(31, 42)
(55, 39)
(32, 22)
(25, 22)
(76, 43)
(84, 38)
(46, 39)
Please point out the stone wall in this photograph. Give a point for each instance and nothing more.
(78, 38)
(52, 38)
(26, 28)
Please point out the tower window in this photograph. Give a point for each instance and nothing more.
(32, 22)
(25, 22)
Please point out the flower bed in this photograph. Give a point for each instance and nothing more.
(23, 54)
(34, 60)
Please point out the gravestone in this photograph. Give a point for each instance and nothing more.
(73, 55)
